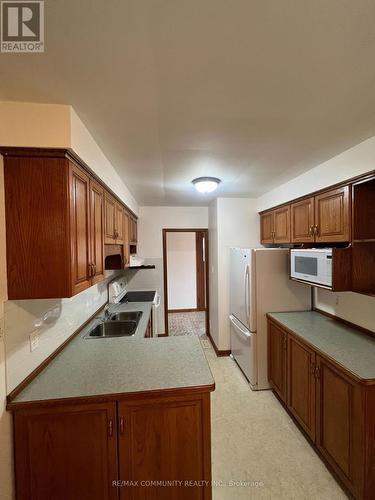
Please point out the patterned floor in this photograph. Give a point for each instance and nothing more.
(190, 323)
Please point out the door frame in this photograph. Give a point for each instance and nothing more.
(165, 274)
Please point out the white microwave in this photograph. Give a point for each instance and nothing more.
(313, 265)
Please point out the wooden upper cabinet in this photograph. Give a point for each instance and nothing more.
(302, 221)
(281, 232)
(301, 384)
(54, 221)
(119, 224)
(97, 230)
(277, 359)
(109, 219)
(80, 229)
(126, 252)
(266, 227)
(332, 215)
(69, 453)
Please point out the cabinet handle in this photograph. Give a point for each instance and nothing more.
(285, 344)
(90, 270)
(313, 368)
(94, 269)
(317, 372)
(316, 231)
(122, 425)
(311, 230)
(110, 427)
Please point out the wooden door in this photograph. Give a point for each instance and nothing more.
(282, 225)
(339, 411)
(67, 452)
(109, 219)
(277, 357)
(302, 221)
(165, 439)
(332, 215)
(80, 229)
(200, 238)
(97, 230)
(119, 224)
(266, 227)
(301, 384)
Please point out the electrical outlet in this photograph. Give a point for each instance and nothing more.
(34, 340)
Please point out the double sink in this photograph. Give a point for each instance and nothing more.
(121, 324)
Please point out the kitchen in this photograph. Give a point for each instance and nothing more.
(275, 399)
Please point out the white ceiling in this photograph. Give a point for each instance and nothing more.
(251, 91)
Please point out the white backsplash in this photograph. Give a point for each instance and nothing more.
(54, 320)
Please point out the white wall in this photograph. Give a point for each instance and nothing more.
(151, 222)
(355, 161)
(233, 223)
(58, 126)
(182, 270)
(360, 159)
(6, 450)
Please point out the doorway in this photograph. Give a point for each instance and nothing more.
(186, 282)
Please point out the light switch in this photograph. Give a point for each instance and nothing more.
(34, 340)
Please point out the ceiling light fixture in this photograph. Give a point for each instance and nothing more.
(206, 184)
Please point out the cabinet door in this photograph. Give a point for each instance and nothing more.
(119, 224)
(165, 439)
(282, 225)
(277, 355)
(266, 227)
(109, 219)
(332, 215)
(301, 384)
(133, 231)
(97, 230)
(302, 221)
(80, 229)
(126, 250)
(339, 410)
(67, 452)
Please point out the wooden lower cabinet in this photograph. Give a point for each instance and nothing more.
(301, 384)
(166, 441)
(277, 349)
(115, 450)
(338, 430)
(67, 452)
(335, 409)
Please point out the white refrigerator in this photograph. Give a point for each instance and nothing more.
(259, 283)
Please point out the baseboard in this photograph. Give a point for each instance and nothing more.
(217, 351)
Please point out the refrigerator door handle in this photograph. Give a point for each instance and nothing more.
(236, 325)
(247, 292)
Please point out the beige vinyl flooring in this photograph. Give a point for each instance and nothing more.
(255, 442)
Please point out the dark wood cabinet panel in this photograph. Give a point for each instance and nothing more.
(338, 434)
(132, 231)
(266, 227)
(302, 221)
(97, 230)
(109, 219)
(282, 225)
(332, 215)
(119, 224)
(80, 229)
(301, 384)
(37, 227)
(126, 248)
(277, 359)
(69, 453)
(166, 439)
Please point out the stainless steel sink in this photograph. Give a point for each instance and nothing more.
(110, 329)
(127, 316)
